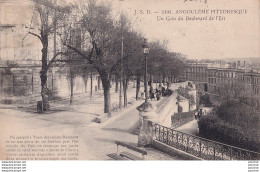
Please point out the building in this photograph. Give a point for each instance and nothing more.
(15, 43)
(20, 58)
(198, 74)
(217, 78)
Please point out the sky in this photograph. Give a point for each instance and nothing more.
(227, 36)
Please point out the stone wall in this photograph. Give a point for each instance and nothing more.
(24, 84)
(167, 109)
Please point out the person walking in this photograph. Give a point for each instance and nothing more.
(163, 91)
(200, 113)
(196, 115)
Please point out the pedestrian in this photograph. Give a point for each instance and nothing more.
(138, 95)
(200, 113)
(163, 91)
(142, 95)
(196, 115)
(158, 96)
(152, 95)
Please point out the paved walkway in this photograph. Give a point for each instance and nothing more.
(96, 140)
(192, 126)
(189, 128)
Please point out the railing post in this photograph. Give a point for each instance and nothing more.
(200, 150)
(172, 136)
(222, 153)
(156, 132)
(182, 138)
(163, 135)
(230, 154)
(167, 136)
(187, 144)
(214, 156)
(153, 130)
(177, 138)
(159, 133)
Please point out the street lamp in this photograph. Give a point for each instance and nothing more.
(146, 52)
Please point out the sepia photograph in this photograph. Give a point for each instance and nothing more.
(136, 80)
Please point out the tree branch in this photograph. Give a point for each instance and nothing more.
(54, 57)
(88, 57)
(34, 34)
(121, 60)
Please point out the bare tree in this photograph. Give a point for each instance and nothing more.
(46, 19)
(98, 28)
(234, 89)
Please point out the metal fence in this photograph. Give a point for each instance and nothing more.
(200, 147)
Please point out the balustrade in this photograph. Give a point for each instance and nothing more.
(200, 147)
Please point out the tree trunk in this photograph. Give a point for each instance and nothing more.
(125, 83)
(106, 88)
(163, 79)
(91, 83)
(116, 88)
(138, 82)
(43, 74)
(107, 100)
(44, 91)
(85, 79)
(71, 87)
(120, 90)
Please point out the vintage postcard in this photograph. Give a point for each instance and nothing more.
(129, 80)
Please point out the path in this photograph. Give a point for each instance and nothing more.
(189, 128)
(96, 140)
(192, 126)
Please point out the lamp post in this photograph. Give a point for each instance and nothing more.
(146, 52)
(121, 72)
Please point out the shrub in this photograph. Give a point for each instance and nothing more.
(181, 118)
(204, 99)
(213, 128)
(239, 114)
(184, 92)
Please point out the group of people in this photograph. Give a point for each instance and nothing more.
(156, 94)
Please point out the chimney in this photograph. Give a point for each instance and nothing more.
(235, 65)
(238, 63)
(244, 63)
